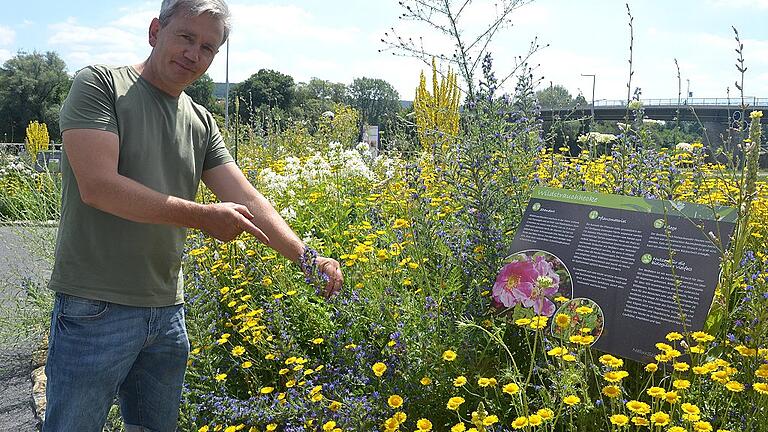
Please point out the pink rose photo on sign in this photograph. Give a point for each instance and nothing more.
(531, 280)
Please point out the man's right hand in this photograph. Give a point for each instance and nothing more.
(225, 221)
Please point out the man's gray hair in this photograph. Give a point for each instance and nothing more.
(217, 8)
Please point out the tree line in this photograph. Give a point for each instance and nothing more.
(33, 87)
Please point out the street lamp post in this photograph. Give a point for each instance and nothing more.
(226, 92)
(594, 77)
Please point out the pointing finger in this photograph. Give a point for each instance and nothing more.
(252, 229)
(243, 210)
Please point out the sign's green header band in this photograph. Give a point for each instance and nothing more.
(621, 202)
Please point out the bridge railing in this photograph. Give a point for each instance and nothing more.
(735, 102)
(16, 148)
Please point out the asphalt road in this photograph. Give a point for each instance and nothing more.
(19, 261)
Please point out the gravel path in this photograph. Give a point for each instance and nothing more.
(17, 411)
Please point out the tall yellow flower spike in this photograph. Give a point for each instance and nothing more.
(37, 138)
(437, 113)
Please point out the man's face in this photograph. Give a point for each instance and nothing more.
(184, 47)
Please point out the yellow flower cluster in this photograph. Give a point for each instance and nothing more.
(437, 113)
(380, 243)
(37, 138)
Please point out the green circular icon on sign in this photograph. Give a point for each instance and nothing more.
(658, 223)
(646, 258)
(593, 214)
(535, 206)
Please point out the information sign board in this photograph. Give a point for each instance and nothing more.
(647, 265)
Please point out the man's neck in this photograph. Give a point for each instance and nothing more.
(146, 71)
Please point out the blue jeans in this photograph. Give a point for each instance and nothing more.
(98, 350)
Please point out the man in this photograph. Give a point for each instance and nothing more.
(135, 149)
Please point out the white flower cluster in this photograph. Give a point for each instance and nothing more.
(648, 121)
(334, 163)
(12, 164)
(273, 182)
(596, 137)
(684, 147)
(351, 162)
(309, 238)
(288, 213)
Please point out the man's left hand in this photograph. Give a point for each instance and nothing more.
(331, 268)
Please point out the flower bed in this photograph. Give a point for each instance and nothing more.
(423, 337)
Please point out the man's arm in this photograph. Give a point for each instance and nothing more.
(93, 156)
(228, 183)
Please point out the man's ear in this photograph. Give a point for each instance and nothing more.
(154, 28)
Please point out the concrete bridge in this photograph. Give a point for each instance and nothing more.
(691, 109)
(715, 114)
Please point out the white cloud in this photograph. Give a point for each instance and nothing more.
(401, 72)
(118, 42)
(135, 20)
(761, 85)
(707, 64)
(291, 40)
(71, 35)
(272, 23)
(4, 55)
(755, 50)
(565, 67)
(706, 61)
(288, 39)
(7, 36)
(733, 4)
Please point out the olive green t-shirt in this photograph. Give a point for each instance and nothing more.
(166, 143)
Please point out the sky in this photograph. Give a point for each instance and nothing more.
(341, 40)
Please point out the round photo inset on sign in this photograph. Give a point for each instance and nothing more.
(579, 321)
(530, 281)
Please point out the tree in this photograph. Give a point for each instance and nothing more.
(201, 91)
(555, 96)
(32, 87)
(316, 97)
(377, 101)
(326, 90)
(264, 89)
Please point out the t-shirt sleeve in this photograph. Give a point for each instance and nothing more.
(90, 103)
(217, 153)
